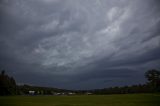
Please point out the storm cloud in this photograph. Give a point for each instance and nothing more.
(79, 44)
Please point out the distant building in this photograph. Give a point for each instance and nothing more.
(71, 93)
(31, 92)
(57, 93)
(88, 93)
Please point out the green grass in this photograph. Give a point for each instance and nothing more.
(83, 100)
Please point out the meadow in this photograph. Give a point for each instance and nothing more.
(83, 100)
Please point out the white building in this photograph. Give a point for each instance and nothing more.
(31, 92)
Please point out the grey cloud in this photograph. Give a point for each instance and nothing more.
(90, 42)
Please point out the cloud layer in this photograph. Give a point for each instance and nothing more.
(79, 44)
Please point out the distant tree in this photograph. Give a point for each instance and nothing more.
(153, 76)
(3, 72)
(7, 84)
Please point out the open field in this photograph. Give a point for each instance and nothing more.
(83, 100)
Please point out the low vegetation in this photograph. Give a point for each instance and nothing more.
(83, 100)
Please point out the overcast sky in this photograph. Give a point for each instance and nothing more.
(79, 44)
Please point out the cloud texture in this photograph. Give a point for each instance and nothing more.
(79, 44)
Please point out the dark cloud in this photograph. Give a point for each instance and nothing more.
(79, 44)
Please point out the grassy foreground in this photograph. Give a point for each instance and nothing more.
(83, 100)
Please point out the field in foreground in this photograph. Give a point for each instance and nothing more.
(83, 100)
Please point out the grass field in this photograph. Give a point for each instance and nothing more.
(83, 100)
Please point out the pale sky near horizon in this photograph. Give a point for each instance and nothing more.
(79, 44)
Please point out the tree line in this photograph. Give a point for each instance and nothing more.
(8, 86)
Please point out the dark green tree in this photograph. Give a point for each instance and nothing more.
(153, 77)
(7, 84)
(3, 72)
